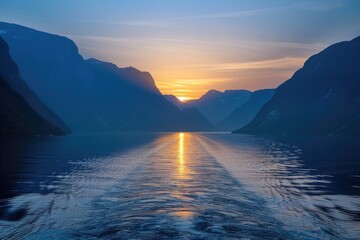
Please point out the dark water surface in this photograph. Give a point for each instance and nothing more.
(179, 186)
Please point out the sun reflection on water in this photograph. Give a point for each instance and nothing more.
(181, 167)
(182, 179)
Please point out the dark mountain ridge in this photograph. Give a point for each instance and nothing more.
(216, 105)
(247, 111)
(16, 115)
(322, 98)
(11, 74)
(92, 95)
(174, 100)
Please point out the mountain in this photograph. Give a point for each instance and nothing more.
(128, 75)
(10, 73)
(138, 106)
(92, 95)
(321, 98)
(247, 111)
(174, 100)
(193, 120)
(16, 115)
(216, 105)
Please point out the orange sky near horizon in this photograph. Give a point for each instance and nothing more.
(190, 47)
(191, 82)
(188, 69)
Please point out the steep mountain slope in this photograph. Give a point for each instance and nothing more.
(323, 97)
(216, 105)
(247, 111)
(91, 95)
(174, 100)
(10, 73)
(16, 115)
(138, 107)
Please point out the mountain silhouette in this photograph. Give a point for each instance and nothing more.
(93, 95)
(174, 100)
(321, 98)
(139, 105)
(247, 111)
(10, 73)
(216, 105)
(16, 116)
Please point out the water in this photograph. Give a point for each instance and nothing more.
(179, 186)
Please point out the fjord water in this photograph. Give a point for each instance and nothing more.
(180, 186)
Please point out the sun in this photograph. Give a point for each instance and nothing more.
(183, 99)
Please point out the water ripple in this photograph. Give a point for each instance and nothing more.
(181, 186)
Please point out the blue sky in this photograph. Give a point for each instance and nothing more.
(192, 46)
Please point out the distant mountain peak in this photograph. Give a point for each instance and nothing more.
(217, 105)
(235, 90)
(174, 100)
(247, 111)
(212, 92)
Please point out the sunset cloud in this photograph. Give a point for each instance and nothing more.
(192, 47)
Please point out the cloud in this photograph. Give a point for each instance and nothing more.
(281, 63)
(243, 13)
(319, 5)
(140, 23)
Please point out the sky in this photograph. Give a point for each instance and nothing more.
(191, 46)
